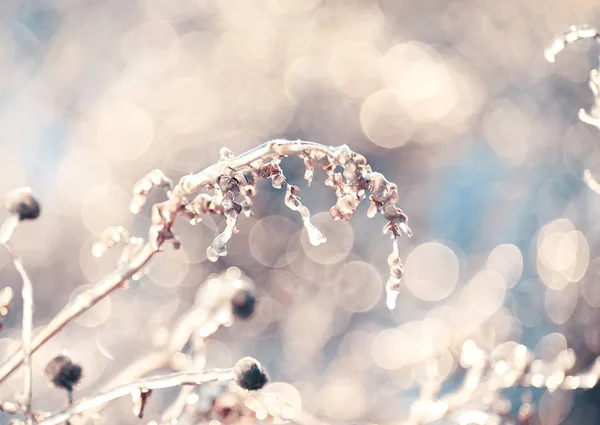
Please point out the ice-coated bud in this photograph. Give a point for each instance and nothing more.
(249, 374)
(62, 372)
(243, 303)
(22, 203)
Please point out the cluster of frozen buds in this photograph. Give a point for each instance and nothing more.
(229, 186)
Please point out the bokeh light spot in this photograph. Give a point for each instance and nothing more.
(431, 271)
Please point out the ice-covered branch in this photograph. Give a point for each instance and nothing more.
(487, 375)
(571, 35)
(234, 177)
(78, 306)
(230, 185)
(247, 373)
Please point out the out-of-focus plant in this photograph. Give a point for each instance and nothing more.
(571, 35)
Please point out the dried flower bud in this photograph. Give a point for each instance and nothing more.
(249, 374)
(243, 303)
(62, 372)
(22, 203)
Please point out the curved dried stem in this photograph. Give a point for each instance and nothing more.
(138, 387)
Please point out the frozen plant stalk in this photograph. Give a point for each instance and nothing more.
(228, 188)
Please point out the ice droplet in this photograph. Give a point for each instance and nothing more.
(587, 118)
(98, 249)
(219, 246)
(372, 211)
(391, 298)
(137, 205)
(315, 237)
(213, 254)
(404, 227)
(392, 286)
(308, 175)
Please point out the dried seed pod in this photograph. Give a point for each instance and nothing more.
(249, 374)
(22, 203)
(243, 303)
(62, 372)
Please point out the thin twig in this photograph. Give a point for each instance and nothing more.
(177, 407)
(152, 383)
(78, 306)
(27, 293)
(205, 313)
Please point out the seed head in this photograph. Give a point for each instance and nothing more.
(21, 202)
(62, 372)
(249, 374)
(243, 303)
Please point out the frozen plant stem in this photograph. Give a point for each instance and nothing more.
(152, 383)
(22, 205)
(27, 293)
(571, 35)
(227, 180)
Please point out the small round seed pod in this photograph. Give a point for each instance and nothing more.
(243, 303)
(22, 203)
(63, 373)
(249, 374)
